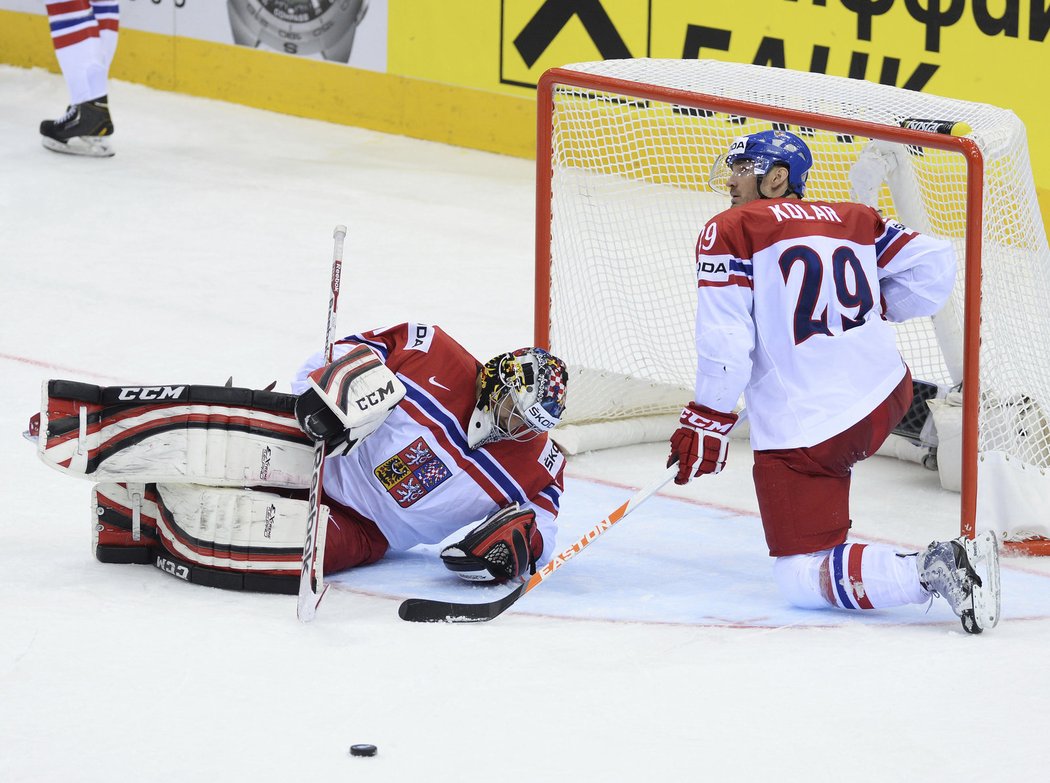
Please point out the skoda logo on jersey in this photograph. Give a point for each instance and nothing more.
(707, 266)
(420, 336)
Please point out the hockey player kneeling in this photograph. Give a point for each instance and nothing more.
(422, 440)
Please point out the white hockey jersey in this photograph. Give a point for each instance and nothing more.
(415, 477)
(793, 299)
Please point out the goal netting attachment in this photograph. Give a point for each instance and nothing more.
(624, 151)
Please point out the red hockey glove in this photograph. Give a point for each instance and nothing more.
(701, 442)
(504, 546)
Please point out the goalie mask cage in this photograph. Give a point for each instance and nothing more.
(624, 152)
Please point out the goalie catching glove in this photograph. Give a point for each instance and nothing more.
(505, 546)
(348, 399)
(701, 443)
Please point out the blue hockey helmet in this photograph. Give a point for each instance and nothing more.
(770, 148)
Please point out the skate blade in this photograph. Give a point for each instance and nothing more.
(87, 146)
(983, 552)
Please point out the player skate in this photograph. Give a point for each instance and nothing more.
(84, 129)
(948, 569)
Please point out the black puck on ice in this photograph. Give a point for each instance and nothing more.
(362, 750)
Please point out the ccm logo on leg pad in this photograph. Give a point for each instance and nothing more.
(173, 568)
(150, 392)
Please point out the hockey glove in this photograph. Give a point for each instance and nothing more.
(701, 442)
(348, 399)
(504, 546)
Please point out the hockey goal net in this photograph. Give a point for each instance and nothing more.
(624, 152)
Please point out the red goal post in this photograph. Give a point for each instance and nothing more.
(623, 152)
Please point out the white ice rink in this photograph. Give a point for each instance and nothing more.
(202, 250)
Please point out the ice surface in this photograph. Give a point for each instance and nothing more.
(663, 653)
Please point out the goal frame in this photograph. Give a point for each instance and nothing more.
(974, 200)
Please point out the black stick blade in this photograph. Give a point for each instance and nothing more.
(423, 610)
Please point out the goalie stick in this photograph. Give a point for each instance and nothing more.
(423, 610)
(309, 597)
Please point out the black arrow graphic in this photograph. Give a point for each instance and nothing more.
(552, 17)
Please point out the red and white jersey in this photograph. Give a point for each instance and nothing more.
(415, 476)
(793, 303)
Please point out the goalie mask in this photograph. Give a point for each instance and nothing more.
(764, 151)
(520, 395)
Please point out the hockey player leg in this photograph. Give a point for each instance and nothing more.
(852, 577)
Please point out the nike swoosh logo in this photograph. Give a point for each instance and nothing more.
(433, 379)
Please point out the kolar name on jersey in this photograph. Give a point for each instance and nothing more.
(786, 210)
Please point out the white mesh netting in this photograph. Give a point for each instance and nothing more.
(629, 195)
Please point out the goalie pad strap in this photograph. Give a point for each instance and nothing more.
(210, 434)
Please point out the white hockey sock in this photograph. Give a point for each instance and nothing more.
(107, 14)
(850, 576)
(75, 34)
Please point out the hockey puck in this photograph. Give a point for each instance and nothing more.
(363, 750)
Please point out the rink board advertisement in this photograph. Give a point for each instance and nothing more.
(488, 54)
(346, 31)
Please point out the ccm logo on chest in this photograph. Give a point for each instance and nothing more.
(150, 392)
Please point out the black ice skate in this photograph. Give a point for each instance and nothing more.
(948, 569)
(84, 129)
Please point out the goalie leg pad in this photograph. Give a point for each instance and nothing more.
(235, 529)
(113, 542)
(205, 434)
(504, 546)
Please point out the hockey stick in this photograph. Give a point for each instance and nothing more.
(423, 610)
(309, 598)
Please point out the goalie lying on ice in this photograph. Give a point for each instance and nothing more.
(422, 440)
